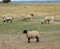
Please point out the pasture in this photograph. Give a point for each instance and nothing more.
(11, 36)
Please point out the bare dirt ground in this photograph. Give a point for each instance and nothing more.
(19, 41)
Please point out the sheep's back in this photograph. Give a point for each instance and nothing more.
(32, 34)
(8, 17)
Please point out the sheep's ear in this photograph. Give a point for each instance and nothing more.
(25, 31)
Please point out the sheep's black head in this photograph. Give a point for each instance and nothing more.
(25, 31)
(32, 14)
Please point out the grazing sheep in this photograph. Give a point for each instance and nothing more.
(47, 19)
(7, 18)
(27, 17)
(32, 34)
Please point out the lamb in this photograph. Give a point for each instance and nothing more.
(32, 34)
(7, 18)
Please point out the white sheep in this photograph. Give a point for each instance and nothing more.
(47, 19)
(7, 18)
(32, 34)
(26, 17)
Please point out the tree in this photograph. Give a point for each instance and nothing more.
(6, 1)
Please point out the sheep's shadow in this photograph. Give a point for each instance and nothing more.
(33, 42)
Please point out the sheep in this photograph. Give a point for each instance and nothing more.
(7, 18)
(26, 17)
(31, 34)
(47, 19)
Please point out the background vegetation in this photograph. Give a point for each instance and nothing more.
(6, 1)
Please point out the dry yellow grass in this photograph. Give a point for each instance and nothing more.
(41, 9)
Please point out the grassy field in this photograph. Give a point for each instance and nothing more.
(11, 36)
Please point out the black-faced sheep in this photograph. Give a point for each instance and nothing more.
(7, 18)
(32, 34)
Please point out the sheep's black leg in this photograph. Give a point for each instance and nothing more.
(37, 38)
(41, 22)
(28, 39)
(48, 21)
